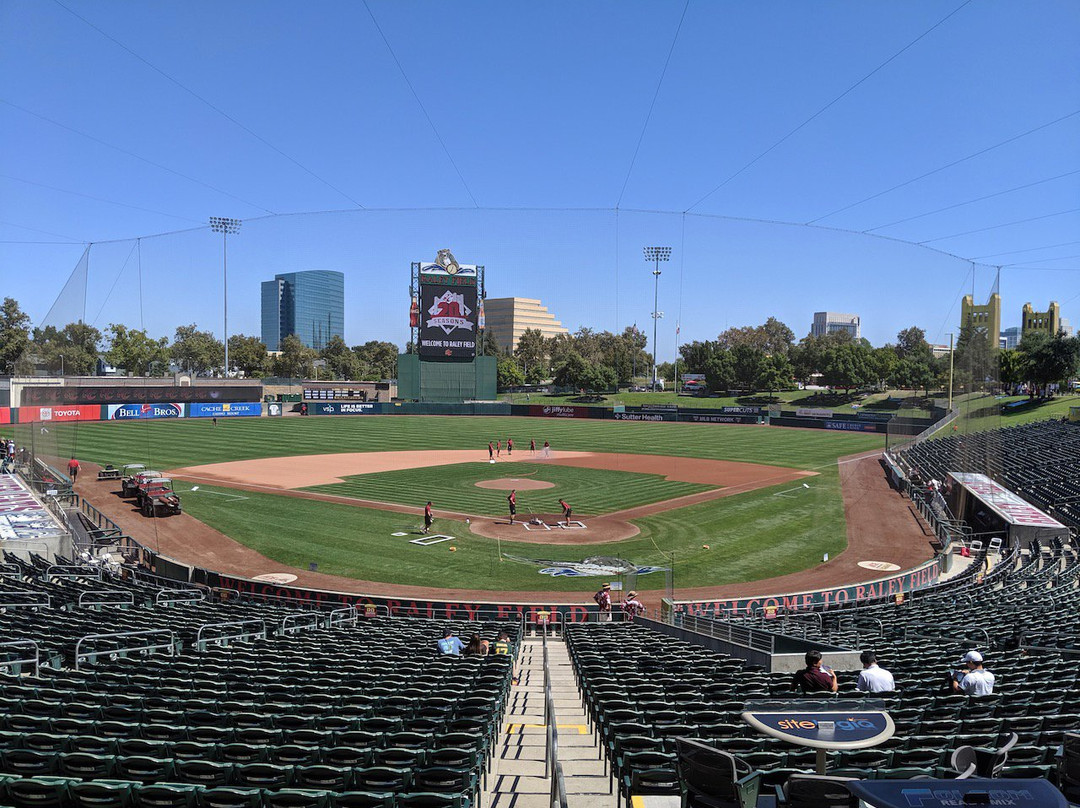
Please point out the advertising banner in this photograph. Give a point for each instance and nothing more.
(226, 409)
(275, 409)
(706, 418)
(120, 394)
(908, 581)
(130, 412)
(345, 408)
(814, 412)
(74, 412)
(447, 321)
(741, 410)
(856, 426)
(5, 415)
(566, 411)
(645, 416)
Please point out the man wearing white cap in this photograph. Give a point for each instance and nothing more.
(977, 681)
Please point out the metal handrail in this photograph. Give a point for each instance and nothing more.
(10, 570)
(293, 623)
(351, 616)
(71, 571)
(754, 639)
(43, 599)
(166, 597)
(127, 595)
(92, 656)
(201, 644)
(7, 664)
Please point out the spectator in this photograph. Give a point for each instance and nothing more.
(632, 607)
(603, 600)
(451, 644)
(502, 645)
(814, 678)
(976, 680)
(873, 679)
(476, 646)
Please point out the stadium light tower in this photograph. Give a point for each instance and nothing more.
(656, 255)
(225, 226)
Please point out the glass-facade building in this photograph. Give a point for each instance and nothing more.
(309, 304)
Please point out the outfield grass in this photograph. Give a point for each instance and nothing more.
(186, 442)
(751, 536)
(591, 491)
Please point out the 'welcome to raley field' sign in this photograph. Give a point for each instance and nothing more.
(907, 581)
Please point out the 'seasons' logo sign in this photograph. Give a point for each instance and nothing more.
(449, 312)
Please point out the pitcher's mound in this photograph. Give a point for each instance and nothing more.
(508, 483)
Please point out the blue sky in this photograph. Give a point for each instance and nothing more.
(292, 108)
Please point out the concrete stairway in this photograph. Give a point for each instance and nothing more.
(517, 778)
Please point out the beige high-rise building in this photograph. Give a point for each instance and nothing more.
(507, 318)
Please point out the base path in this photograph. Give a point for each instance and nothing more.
(880, 527)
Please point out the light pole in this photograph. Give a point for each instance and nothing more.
(225, 226)
(61, 365)
(950, 370)
(656, 255)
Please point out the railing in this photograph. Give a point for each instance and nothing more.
(167, 597)
(340, 617)
(11, 599)
(110, 597)
(13, 667)
(148, 647)
(552, 766)
(68, 571)
(294, 623)
(751, 638)
(10, 571)
(102, 522)
(254, 629)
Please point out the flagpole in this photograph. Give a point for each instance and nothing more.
(678, 327)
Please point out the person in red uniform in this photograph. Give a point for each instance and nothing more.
(429, 517)
(509, 446)
(498, 448)
(512, 502)
(532, 445)
(491, 450)
(566, 511)
(73, 468)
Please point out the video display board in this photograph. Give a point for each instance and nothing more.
(448, 320)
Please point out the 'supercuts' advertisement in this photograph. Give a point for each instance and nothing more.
(448, 321)
(129, 412)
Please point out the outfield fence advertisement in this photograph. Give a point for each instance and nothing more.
(133, 412)
(73, 412)
(226, 409)
(852, 594)
(347, 408)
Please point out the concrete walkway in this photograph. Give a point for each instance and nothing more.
(517, 778)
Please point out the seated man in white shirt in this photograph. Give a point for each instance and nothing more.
(976, 681)
(873, 679)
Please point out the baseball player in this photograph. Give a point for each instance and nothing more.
(429, 517)
(511, 501)
(491, 450)
(498, 448)
(509, 446)
(532, 446)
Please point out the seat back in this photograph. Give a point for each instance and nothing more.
(819, 791)
(707, 772)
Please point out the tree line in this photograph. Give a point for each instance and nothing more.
(76, 348)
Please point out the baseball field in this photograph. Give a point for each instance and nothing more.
(725, 503)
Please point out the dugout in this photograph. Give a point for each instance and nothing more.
(991, 509)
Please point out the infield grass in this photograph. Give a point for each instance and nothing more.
(750, 536)
(589, 491)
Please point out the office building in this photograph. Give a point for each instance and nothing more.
(1066, 327)
(1010, 338)
(508, 318)
(829, 322)
(1049, 321)
(309, 304)
(986, 317)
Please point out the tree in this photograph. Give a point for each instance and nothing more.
(770, 337)
(197, 352)
(911, 342)
(666, 371)
(775, 373)
(885, 362)
(719, 372)
(248, 356)
(600, 378)
(531, 354)
(295, 360)
(1049, 360)
(748, 363)
(1012, 367)
(573, 371)
(14, 334)
(378, 360)
(848, 366)
(135, 351)
(696, 355)
(974, 356)
(509, 373)
(72, 349)
(341, 362)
